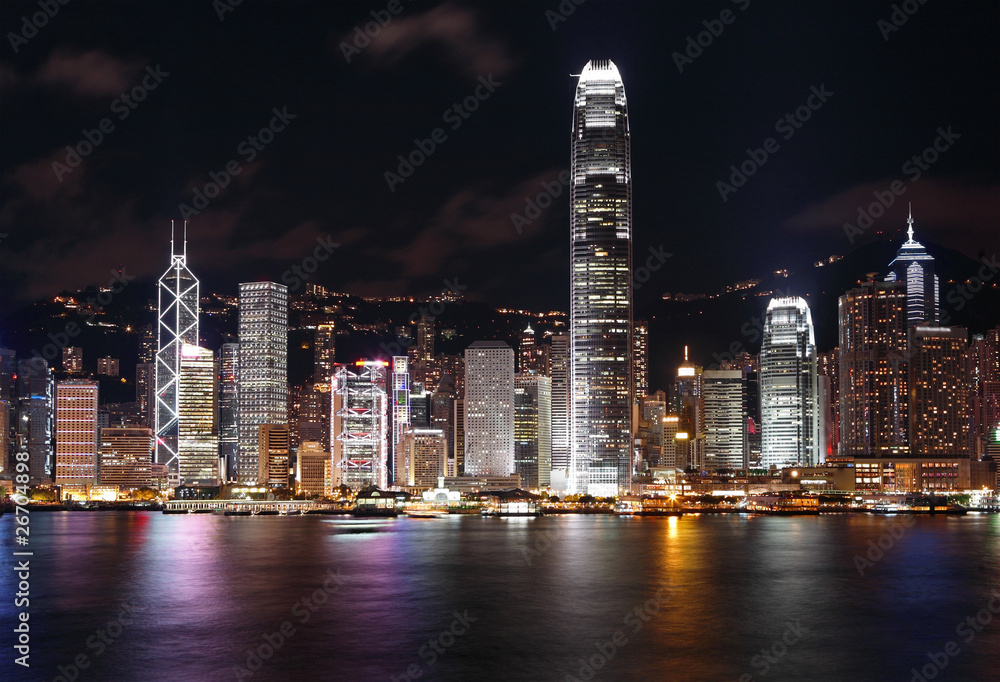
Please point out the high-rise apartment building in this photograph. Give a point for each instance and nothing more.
(108, 366)
(76, 433)
(725, 424)
(914, 268)
(940, 417)
(874, 419)
(262, 373)
(533, 429)
(177, 325)
(228, 359)
(789, 386)
(197, 418)
(72, 359)
(601, 283)
(489, 409)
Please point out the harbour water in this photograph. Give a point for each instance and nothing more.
(146, 596)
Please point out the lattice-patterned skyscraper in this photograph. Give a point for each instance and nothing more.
(178, 325)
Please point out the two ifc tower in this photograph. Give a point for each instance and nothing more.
(600, 296)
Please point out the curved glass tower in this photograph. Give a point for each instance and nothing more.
(601, 283)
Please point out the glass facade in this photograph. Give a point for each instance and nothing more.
(197, 423)
(789, 386)
(601, 283)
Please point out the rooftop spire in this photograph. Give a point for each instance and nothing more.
(909, 223)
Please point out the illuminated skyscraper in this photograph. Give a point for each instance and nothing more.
(76, 433)
(229, 409)
(689, 405)
(640, 359)
(874, 419)
(399, 414)
(788, 386)
(324, 348)
(197, 418)
(359, 433)
(725, 424)
(424, 451)
(914, 267)
(178, 324)
(489, 409)
(984, 367)
(601, 283)
(559, 371)
(35, 411)
(263, 368)
(939, 392)
(533, 429)
(145, 394)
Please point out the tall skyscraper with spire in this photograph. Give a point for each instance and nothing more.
(601, 283)
(177, 327)
(915, 267)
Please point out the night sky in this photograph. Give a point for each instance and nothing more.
(322, 175)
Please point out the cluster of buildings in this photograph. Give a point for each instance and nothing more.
(905, 401)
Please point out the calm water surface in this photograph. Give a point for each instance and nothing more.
(554, 598)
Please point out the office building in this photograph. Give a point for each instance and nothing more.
(789, 387)
(984, 375)
(228, 359)
(489, 409)
(177, 325)
(34, 427)
(601, 283)
(145, 393)
(324, 351)
(272, 455)
(560, 366)
(262, 372)
(399, 416)
(940, 416)
(874, 419)
(725, 424)
(424, 451)
(312, 469)
(127, 456)
(76, 433)
(640, 358)
(533, 429)
(359, 434)
(914, 268)
(197, 418)
(689, 405)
